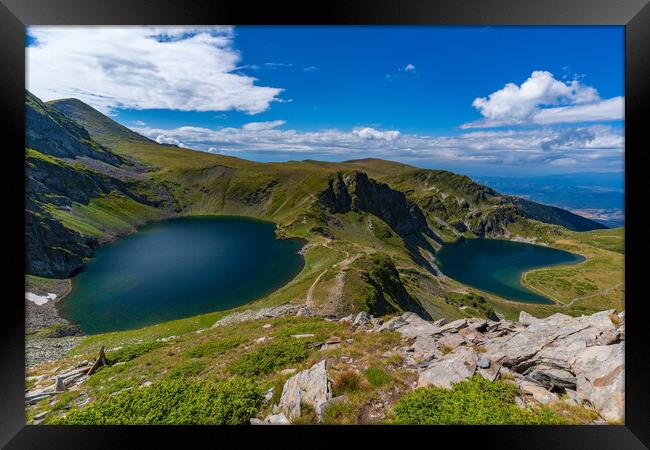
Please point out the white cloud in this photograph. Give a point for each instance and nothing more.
(409, 68)
(542, 99)
(371, 133)
(610, 109)
(258, 126)
(164, 139)
(596, 146)
(179, 68)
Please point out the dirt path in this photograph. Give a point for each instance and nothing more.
(339, 278)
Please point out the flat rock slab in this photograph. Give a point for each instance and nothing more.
(453, 368)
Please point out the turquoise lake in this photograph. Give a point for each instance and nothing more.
(496, 266)
(178, 268)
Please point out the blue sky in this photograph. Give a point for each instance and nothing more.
(478, 100)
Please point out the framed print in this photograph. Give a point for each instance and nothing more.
(253, 222)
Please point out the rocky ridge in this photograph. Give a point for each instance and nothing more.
(579, 360)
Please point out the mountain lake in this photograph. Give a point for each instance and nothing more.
(178, 268)
(496, 266)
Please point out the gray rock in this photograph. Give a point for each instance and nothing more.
(416, 326)
(59, 385)
(362, 318)
(277, 419)
(310, 386)
(453, 368)
(527, 319)
(256, 421)
(393, 324)
(425, 348)
(600, 374)
(536, 391)
(483, 362)
(268, 395)
(451, 341)
(551, 377)
(453, 327)
(440, 322)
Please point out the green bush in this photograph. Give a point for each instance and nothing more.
(188, 369)
(213, 348)
(182, 402)
(131, 352)
(266, 359)
(377, 376)
(475, 401)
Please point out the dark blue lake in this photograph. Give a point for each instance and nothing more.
(496, 266)
(178, 268)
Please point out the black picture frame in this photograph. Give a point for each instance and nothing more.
(16, 14)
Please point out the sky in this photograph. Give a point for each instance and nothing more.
(493, 101)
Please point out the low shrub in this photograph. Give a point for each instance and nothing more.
(131, 352)
(377, 376)
(188, 369)
(475, 401)
(346, 382)
(182, 402)
(267, 358)
(213, 348)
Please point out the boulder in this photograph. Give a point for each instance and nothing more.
(310, 386)
(393, 324)
(362, 318)
(527, 319)
(483, 362)
(453, 368)
(453, 327)
(416, 326)
(425, 348)
(536, 391)
(600, 374)
(552, 377)
(277, 419)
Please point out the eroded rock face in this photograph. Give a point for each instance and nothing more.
(310, 386)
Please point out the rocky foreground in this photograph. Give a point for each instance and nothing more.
(579, 360)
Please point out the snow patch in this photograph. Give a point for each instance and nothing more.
(39, 299)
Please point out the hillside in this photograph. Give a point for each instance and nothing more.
(91, 180)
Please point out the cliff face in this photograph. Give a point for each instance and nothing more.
(356, 192)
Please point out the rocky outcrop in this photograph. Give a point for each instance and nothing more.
(355, 191)
(582, 357)
(285, 310)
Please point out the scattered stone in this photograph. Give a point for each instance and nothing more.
(40, 415)
(440, 322)
(362, 318)
(552, 377)
(333, 340)
(261, 339)
(347, 319)
(268, 395)
(146, 384)
(59, 385)
(256, 421)
(349, 341)
(393, 324)
(277, 419)
(288, 371)
(302, 336)
(268, 325)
